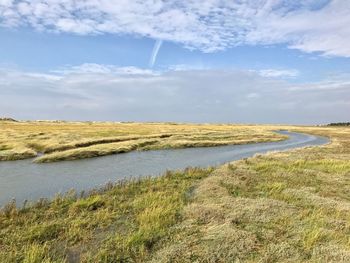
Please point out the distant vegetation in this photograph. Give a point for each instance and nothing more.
(339, 124)
(59, 141)
(281, 207)
(7, 119)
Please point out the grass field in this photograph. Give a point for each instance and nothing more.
(59, 141)
(281, 207)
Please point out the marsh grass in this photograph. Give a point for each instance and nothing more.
(291, 206)
(281, 207)
(96, 150)
(120, 223)
(59, 141)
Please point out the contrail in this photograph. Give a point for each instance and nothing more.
(155, 51)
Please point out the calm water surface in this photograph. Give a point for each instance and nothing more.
(26, 180)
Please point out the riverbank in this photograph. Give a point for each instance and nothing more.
(25, 180)
(289, 206)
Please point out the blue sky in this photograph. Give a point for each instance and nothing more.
(50, 51)
(277, 61)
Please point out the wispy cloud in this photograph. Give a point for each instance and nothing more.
(93, 68)
(155, 51)
(208, 25)
(279, 73)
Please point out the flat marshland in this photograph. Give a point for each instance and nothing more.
(291, 206)
(59, 141)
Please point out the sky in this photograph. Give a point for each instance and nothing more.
(252, 61)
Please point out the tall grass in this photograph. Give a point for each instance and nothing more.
(122, 223)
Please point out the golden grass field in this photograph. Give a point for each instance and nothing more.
(59, 141)
(291, 206)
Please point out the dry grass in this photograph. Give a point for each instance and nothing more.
(75, 140)
(281, 207)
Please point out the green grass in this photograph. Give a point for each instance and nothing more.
(122, 223)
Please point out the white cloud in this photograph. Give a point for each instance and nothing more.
(186, 67)
(279, 73)
(93, 68)
(209, 25)
(324, 85)
(6, 2)
(106, 92)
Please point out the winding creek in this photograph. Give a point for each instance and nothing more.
(27, 180)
